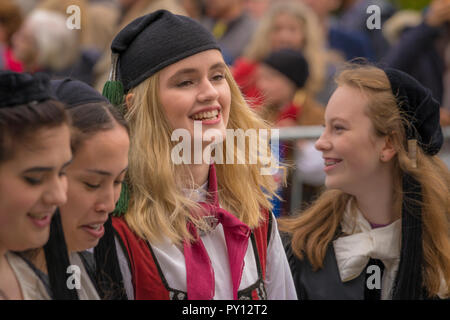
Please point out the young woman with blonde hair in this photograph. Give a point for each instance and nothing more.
(381, 230)
(192, 230)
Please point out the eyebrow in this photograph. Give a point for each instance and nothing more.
(338, 118)
(104, 173)
(219, 65)
(45, 169)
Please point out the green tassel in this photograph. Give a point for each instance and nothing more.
(122, 203)
(113, 91)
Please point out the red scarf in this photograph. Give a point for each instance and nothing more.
(199, 272)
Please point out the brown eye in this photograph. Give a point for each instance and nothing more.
(92, 186)
(32, 181)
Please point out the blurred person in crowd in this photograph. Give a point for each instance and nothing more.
(398, 23)
(424, 53)
(97, 20)
(381, 229)
(421, 50)
(348, 44)
(45, 44)
(354, 17)
(130, 10)
(230, 23)
(34, 155)
(10, 21)
(257, 8)
(288, 24)
(282, 77)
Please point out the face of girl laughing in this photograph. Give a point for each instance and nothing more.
(95, 179)
(195, 89)
(32, 185)
(351, 150)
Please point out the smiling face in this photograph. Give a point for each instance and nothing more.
(95, 178)
(350, 147)
(195, 89)
(32, 185)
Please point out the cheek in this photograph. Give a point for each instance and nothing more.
(176, 108)
(225, 102)
(17, 199)
(79, 203)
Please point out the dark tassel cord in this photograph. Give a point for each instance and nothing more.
(408, 283)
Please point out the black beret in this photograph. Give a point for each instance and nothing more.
(156, 40)
(290, 63)
(421, 109)
(22, 88)
(74, 92)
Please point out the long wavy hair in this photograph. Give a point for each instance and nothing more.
(314, 42)
(158, 207)
(314, 229)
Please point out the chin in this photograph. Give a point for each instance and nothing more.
(332, 184)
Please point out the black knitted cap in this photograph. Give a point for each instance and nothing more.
(290, 63)
(74, 92)
(22, 88)
(156, 40)
(421, 109)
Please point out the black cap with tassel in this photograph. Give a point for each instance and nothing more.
(423, 130)
(144, 47)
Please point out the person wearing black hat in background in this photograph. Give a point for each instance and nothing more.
(190, 231)
(34, 154)
(381, 231)
(287, 103)
(99, 144)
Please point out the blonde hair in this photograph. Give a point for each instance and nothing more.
(158, 206)
(314, 43)
(313, 230)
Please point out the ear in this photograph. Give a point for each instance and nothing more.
(129, 100)
(388, 151)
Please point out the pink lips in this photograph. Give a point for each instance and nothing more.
(41, 222)
(95, 233)
(330, 167)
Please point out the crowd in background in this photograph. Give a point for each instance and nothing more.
(283, 53)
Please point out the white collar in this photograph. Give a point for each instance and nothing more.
(362, 243)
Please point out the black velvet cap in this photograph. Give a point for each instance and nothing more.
(22, 88)
(156, 40)
(290, 63)
(421, 109)
(74, 92)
